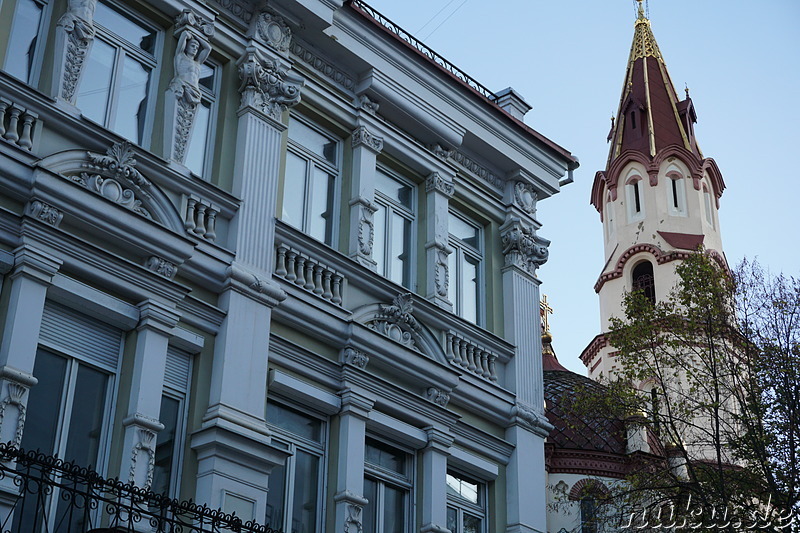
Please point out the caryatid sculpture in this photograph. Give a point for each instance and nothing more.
(193, 49)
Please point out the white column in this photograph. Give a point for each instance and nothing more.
(234, 450)
(524, 252)
(147, 383)
(29, 279)
(366, 147)
(349, 498)
(439, 189)
(434, 481)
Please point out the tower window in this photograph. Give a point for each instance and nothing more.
(636, 198)
(676, 203)
(633, 120)
(644, 281)
(675, 193)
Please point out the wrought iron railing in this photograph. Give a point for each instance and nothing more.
(53, 496)
(424, 50)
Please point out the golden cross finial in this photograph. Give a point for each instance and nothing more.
(686, 88)
(544, 310)
(641, 9)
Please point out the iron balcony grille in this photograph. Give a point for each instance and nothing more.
(60, 497)
(418, 45)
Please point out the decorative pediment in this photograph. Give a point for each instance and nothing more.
(114, 176)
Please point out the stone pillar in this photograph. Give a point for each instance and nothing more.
(366, 147)
(74, 38)
(234, 450)
(183, 95)
(439, 189)
(349, 497)
(30, 277)
(524, 252)
(434, 481)
(156, 321)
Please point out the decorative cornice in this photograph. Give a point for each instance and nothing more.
(240, 9)
(362, 136)
(476, 168)
(437, 182)
(324, 67)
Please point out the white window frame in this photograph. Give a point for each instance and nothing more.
(391, 206)
(462, 506)
(313, 161)
(41, 41)
(212, 97)
(124, 48)
(676, 194)
(460, 249)
(633, 185)
(291, 442)
(708, 205)
(383, 477)
(609, 217)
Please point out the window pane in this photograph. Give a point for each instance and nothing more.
(394, 514)
(393, 189)
(276, 497)
(370, 515)
(320, 225)
(166, 443)
(312, 140)
(86, 419)
(306, 484)
(452, 520)
(96, 82)
(207, 73)
(452, 287)
(379, 243)
(294, 191)
(294, 422)
(44, 403)
(196, 151)
(472, 524)
(401, 245)
(385, 456)
(131, 31)
(466, 232)
(132, 100)
(469, 288)
(22, 41)
(462, 488)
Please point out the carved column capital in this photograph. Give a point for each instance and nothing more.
(522, 248)
(437, 182)
(363, 137)
(266, 84)
(355, 403)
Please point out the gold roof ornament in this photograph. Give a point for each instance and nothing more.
(644, 43)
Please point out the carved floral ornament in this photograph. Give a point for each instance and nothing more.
(77, 25)
(525, 197)
(437, 182)
(522, 247)
(397, 321)
(273, 30)
(362, 136)
(267, 85)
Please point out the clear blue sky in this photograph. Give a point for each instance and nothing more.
(741, 61)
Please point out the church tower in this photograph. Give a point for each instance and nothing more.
(658, 195)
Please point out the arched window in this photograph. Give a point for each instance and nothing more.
(609, 216)
(634, 196)
(588, 514)
(644, 281)
(707, 205)
(676, 196)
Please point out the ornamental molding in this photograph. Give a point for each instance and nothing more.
(16, 393)
(161, 266)
(266, 84)
(77, 25)
(525, 197)
(522, 248)
(45, 212)
(323, 66)
(397, 321)
(530, 417)
(272, 30)
(442, 270)
(362, 136)
(240, 9)
(440, 151)
(146, 444)
(352, 522)
(476, 168)
(366, 226)
(355, 357)
(437, 182)
(437, 396)
(247, 283)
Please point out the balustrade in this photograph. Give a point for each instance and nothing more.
(16, 124)
(302, 270)
(471, 357)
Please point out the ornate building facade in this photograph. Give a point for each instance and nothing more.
(280, 260)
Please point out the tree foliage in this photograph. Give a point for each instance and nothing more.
(709, 379)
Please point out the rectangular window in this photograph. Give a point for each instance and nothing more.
(199, 153)
(677, 197)
(294, 500)
(393, 220)
(309, 186)
(465, 265)
(387, 486)
(466, 504)
(116, 84)
(26, 27)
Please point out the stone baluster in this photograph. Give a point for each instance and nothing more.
(327, 292)
(4, 104)
(309, 286)
(318, 280)
(211, 224)
(291, 273)
(26, 137)
(337, 289)
(448, 351)
(300, 268)
(188, 222)
(200, 219)
(11, 132)
(280, 267)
